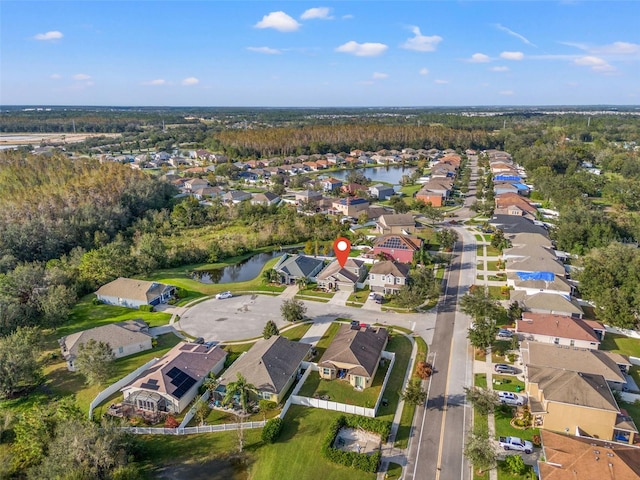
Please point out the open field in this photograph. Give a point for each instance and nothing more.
(61, 138)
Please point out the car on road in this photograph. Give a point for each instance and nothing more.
(223, 295)
(504, 368)
(510, 398)
(504, 333)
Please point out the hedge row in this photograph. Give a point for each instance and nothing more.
(360, 461)
(271, 430)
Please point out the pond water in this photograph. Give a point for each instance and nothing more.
(391, 174)
(246, 270)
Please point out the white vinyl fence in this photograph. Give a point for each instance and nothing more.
(192, 430)
(111, 389)
(192, 410)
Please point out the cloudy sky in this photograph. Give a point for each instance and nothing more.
(296, 53)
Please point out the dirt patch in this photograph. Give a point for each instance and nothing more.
(357, 440)
(50, 138)
(230, 468)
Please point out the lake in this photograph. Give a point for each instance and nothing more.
(391, 174)
(241, 272)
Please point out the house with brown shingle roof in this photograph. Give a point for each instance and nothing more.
(270, 365)
(506, 200)
(131, 293)
(335, 277)
(388, 277)
(560, 330)
(577, 403)
(354, 355)
(566, 457)
(403, 223)
(124, 338)
(172, 383)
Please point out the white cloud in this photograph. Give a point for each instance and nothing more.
(422, 43)
(441, 82)
(156, 82)
(618, 48)
(380, 75)
(52, 35)
(279, 21)
(321, 13)
(81, 76)
(512, 55)
(499, 69)
(596, 64)
(190, 81)
(56, 76)
(348, 16)
(514, 34)
(265, 50)
(479, 58)
(506, 92)
(363, 49)
(424, 71)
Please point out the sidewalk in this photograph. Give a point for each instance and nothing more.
(389, 452)
(316, 331)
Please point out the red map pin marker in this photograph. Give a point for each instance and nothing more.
(342, 248)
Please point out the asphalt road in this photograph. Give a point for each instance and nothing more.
(244, 317)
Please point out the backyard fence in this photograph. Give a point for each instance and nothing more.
(193, 430)
(110, 390)
(192, 411)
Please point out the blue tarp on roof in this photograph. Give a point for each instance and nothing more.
(520, 186)
(507, 178)
(546, 276)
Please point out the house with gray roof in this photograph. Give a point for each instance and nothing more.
(292, 267)
(265, 198)
(124, 338)
(335, 277)
(131, 293)
(354, 355)
(547, 303)
(388, 277)
(236, 196)
(270, 365)
(171, 384)
(396, 223)
(381, 192)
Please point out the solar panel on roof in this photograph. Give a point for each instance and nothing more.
(150, 386)
(173, 372)
(184, 386)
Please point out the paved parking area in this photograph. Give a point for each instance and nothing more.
(244, 316)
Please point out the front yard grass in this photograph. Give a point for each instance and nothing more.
(508, 383)
(480, 250)
(480, 380)
(503, 415)
(495, 292)
(409, 409)
(324, 342)
(359, 296)
(315, 292)
(505, 474)
(492, 266)
(297, 332)
(498, 351)
(492, 251)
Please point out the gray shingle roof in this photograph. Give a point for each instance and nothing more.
(299, 265)
(134, 289)
(360, 347)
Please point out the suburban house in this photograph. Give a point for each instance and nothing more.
(400, 248)
(265, 198)
(514, 224)
(532, 283)
(293, 267)
(547, 303)
(354, 355)
(236, 196)
(578, 403)
(350, 206)
(507, 200)
(566, 457)
(172, 383)
(331, 184)
(353, 188)
(131, 293)
(195, 183)
(611, 366)
(270, 365)
(396, 223)
(381, 192)
(560, 330)
(124, 338)
(435, 191)
(388, 277)
(334, 277)
(308, 196)
(204, 192)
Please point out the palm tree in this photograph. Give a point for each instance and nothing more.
(240, 388)
(301, 282)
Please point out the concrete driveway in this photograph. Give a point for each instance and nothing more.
(244, 317)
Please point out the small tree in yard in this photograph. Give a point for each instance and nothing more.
(202, 411)
(483, 333)
(270, 329)
(293, 310)
(480, 450)
(95, 361)
(414, 394)
(483, 400)
(424, 370)
(515, 464)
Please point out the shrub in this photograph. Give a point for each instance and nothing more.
(96, 301)
(515, 464)
(536, 440)
(360, 461)
(146, 308)
(271, 430)
(424, 370)
(171, 422)
(182, 293)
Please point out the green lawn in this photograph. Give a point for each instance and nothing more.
(504, 474)
(633, 410)
(634, 371)
(297, 332)
(324, 342)
(621, 344)
(499, 348)
(63, 382)
(341, 391)
(360, 296)
(480, 266)
(297, 455)
(480, 250)
(394, 471)
(315, 292)
(479, 237)
(492, 266)
(479, 277)
(503, 416)
(480, 380)
(495, 292)
(508, 383)
(493, 252)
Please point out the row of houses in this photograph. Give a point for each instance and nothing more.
(439, 187)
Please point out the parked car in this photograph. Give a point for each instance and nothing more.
(379, 299)
(199, 340)
(223, 295)
(515, 443)
(510, 398)
(504, 368)
(504, 333)
(373, 295)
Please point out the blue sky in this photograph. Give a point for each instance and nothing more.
(298, 53)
